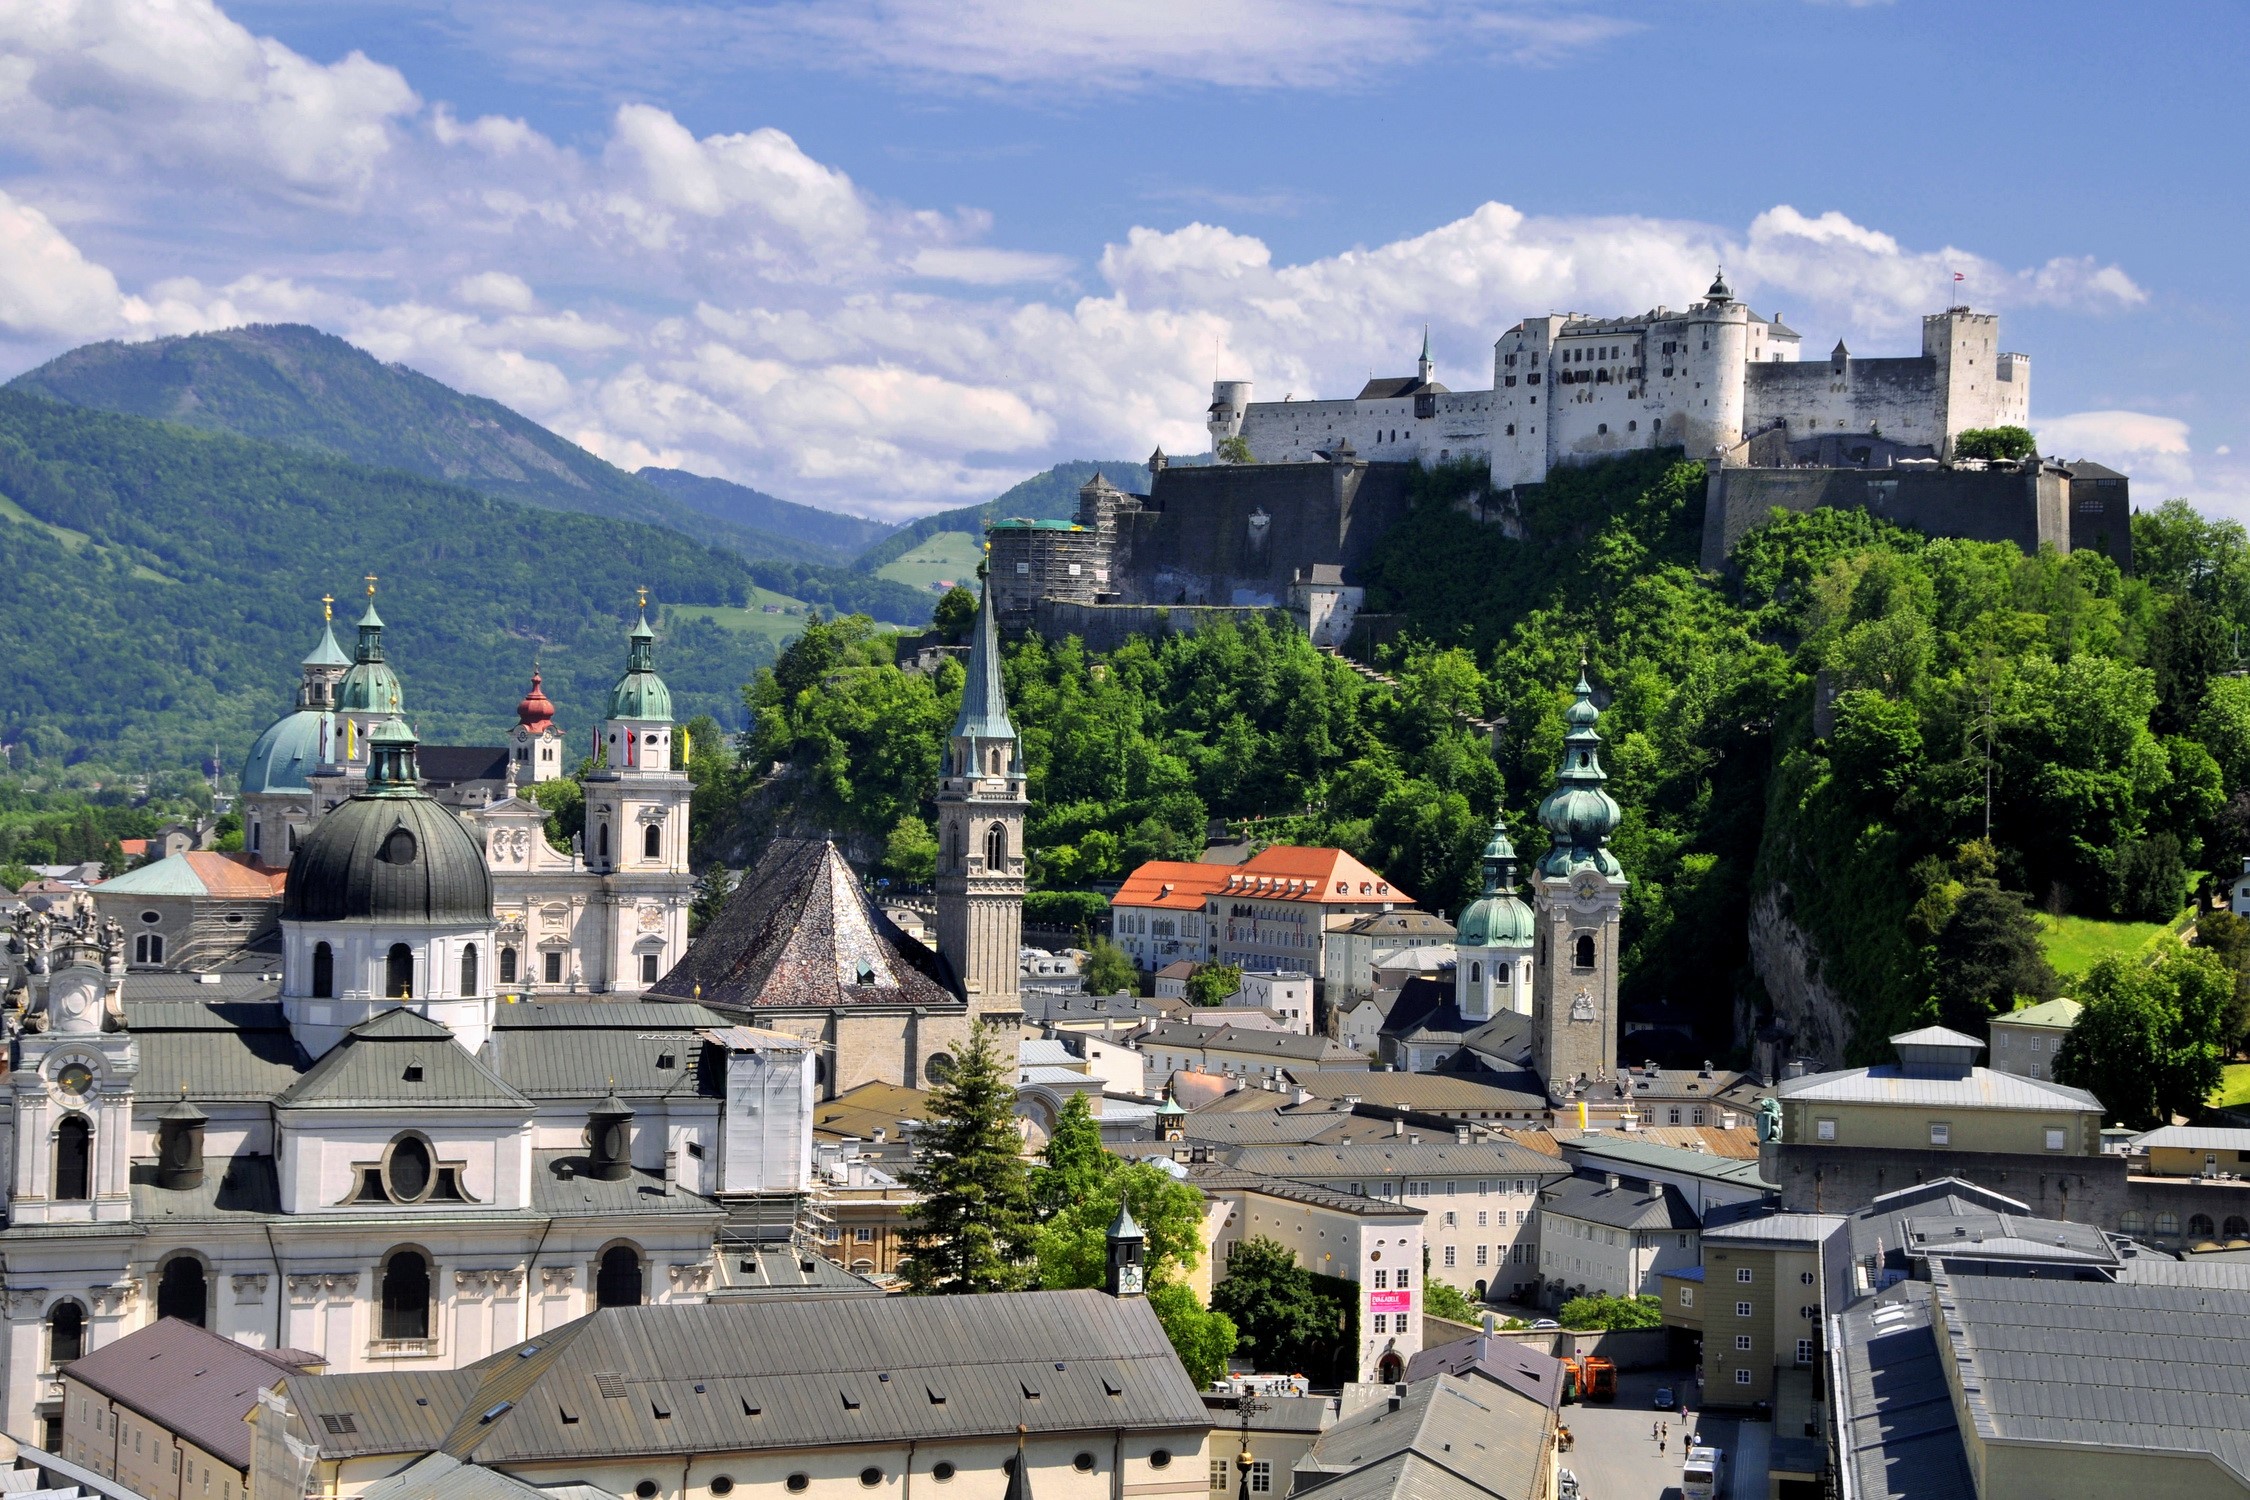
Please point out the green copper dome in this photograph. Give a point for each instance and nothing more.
(390, 854)
(1499, 918)
(640, 693)
(285, 754)
(370, 686)
(1578, 813)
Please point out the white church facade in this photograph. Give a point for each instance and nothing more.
(1718, 380)
(606, 917)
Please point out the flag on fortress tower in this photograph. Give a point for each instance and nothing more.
(1957, 276)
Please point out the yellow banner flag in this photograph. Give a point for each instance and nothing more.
(1581, 1114)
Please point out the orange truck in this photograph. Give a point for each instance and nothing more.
(1589, 1377)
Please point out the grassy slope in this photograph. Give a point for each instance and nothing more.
(101, 652)
(2074, 943)
(947, 555)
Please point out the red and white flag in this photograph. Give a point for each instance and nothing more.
(1957, 276)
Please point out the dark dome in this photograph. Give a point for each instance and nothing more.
(391, 858)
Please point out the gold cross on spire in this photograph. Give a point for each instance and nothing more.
(370, 585)
(643, 592)
(328, 606)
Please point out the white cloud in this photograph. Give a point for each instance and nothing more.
(495, 289)
(980, 265)
(2152, 449)
(1098, 46)
(46, 285)
(173, 82)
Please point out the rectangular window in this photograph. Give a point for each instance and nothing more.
(1448, 1224)
(1825, 1129)
(649, 975)
(1219, 1476)
(1449, 1255)
(1483, 1218)
(1804, 1351)
(1261, 1478)
(1743, 1275)
(1687, 1296)
(1941, 1134)
(1481, 1249)
(554, 968)
(2054, 1139)
(1742, 1377)
(1402, 1275)
(1382, 1279)
(1742, 1309)
(1742, 1343)
(1382, 1322)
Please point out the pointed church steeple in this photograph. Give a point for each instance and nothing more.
(1580, 897)
(981, 806)
(1423, 366)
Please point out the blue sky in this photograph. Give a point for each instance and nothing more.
(887, 256)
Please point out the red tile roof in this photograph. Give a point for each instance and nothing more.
(1171, 884)
(1284, 872)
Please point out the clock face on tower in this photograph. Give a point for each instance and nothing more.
(1129, 1279)
(1589, 884)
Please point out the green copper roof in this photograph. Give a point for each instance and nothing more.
(984, 697)
(327, 653)
(285, 754)
(370, 686)
(640, 693)
(1578, 812)
(1499, 918)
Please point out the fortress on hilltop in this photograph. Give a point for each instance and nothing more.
(1302, 491)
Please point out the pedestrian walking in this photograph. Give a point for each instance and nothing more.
(1655, 1431)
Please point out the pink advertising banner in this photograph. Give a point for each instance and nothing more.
(1390, 1302)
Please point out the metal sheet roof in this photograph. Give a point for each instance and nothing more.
(401, 1058)
(1629, 1205)
(1396, 1156)
(1488, 1437)
(1895, 1429)
(440, 1476)
(1981, 1088)
(1608, 1146)
(1424, 1091)
(789, 1373)
(194, 1383)
(2195, 1138)
(1751, 1223)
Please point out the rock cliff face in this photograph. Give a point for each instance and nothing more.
(1788, 964)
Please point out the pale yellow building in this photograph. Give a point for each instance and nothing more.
(2025, 1041)
(1935, 1098)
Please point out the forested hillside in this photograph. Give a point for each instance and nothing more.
(839, 537)
(300, 388)
(1862, 872)
(162, 584)
(1048, 496)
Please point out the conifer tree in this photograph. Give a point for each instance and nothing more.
(972, 1229)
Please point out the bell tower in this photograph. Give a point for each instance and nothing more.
(980, 807)
(1579, 895)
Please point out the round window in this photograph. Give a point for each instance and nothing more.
(646, 1489)
(234, 919)
(798, 1483)
(941, 1471)
(407, 1173)
(1160, 1459)
(1083, 1463)
(871, 1477)
(939, 1069)
(152, 917)
(1374, 1255)
(75, 1079)
(398, 848)
(722, 1484)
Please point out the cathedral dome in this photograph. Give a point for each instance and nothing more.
(1499, 918)
(536, 712)
(389, 854)
(640, 693)
(285, 754)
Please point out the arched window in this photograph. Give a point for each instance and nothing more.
(406, 1295)
(182, 1291)
(74, 1159)
(996, 847)
(956, 861)
(324, 972)
(2132, 1223)
(1476, 973)
(2167, 1223)
(652, 842)
(601, 842)
(1583, 957)
(994, 757)
(618, 1282)
(2237, 1227)
(148, 948)
(469, 970)
(66, 1333)
(398, 972)
(2200, 1226)
(255, 830)
(507, 966)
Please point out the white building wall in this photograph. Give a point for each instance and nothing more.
(1382, 430)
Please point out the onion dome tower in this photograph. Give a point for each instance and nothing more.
(981, 804)
(368, 695)
(277, 800)
(1580, 895)
(389, 903)
(1492, 945)
(535, 745)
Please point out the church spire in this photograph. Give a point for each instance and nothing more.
(1423, 366)
(984, 697)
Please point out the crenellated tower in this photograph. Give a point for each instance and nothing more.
(1579, 895)
(980, 806)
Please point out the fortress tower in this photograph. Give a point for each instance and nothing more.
(1230, 403)
(981, 805)
(1580, 896)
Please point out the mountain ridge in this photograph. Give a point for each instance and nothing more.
(843, 535)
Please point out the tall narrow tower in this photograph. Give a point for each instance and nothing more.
(980, 807)
(637, 830)
(1492, 946)
(1580, 893)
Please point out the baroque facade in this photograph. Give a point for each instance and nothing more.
(376, 1158)
(607, 916)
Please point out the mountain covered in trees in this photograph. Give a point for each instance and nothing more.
(300, 388)
(839, 537)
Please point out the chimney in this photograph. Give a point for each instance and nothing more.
(671, 1169)
(1398, 1125)
(1300, 1095)
(1461, 1135)
(1609, 1180)
(609, 1139)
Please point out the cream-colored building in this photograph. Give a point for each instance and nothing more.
(827, 1399)
(1935, 1098)
(1760, 1300)
(2024, 1042)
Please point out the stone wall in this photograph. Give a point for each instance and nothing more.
(1984, 505)
(1844, 1179)
(1241, 534)
(2101, 513)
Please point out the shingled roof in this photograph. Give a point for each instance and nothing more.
(799, 934)
(194, 1383)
